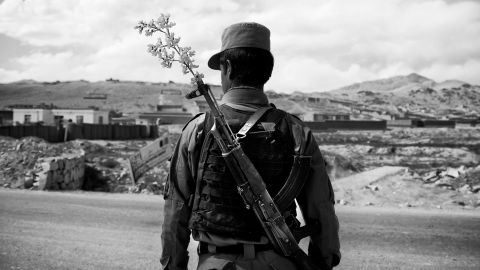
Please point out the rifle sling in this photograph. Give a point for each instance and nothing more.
(242, 133)
(298, 173)
(294, 183)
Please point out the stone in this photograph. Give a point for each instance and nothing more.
(476, 188)
(57, 177)
(19, 183)
(45, 166)
(77, 183)
(19, 147)
(70, 186)
(28, 182)
(451, 172)
(445, 182)
(60, 164)
(430, 177)
(44, 180)
(407, 204)
(68, 164)
(53, 165)
(465, 189)
(53, 186)
(67, 177)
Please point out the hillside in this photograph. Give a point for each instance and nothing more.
(124, 96)
(414, 94)
(396, 96)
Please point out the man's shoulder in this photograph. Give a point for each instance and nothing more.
(195, 123)
(290, 117)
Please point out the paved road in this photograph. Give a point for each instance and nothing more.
(409, 239)
(46, 230)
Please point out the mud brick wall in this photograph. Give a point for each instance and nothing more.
(65, 172)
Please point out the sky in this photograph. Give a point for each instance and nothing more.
(318, 45)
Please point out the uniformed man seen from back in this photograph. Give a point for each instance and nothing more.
(201, 196)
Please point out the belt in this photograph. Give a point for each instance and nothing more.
(204, 248)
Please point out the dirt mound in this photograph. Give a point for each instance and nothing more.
(449, 188)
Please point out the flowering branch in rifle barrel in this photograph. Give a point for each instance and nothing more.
(167, 48)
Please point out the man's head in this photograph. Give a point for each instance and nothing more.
(245, 58)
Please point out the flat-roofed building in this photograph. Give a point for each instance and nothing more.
(26, 116)
(337, 116)
(163, 118)
(82, 115)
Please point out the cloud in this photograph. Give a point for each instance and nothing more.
(319, 45)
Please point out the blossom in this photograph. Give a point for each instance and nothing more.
(167, 47)
(197, 78)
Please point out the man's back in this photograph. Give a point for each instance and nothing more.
(315, 199)
(202, 198)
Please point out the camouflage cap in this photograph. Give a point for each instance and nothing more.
(246, 35)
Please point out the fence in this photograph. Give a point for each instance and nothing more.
(346, 125)
(85, 131)
(405, 123)
(434, 123)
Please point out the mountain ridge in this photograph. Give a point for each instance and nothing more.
(394, 95)
(394, 83)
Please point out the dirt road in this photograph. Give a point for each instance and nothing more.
(47, 230)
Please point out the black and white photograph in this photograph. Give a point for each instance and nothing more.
(239, 134)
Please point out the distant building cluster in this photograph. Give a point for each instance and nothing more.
(25, 116)
(173, 109)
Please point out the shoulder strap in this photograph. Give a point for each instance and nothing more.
(242, 133)
(295, 181)
(194, 199)
(298, 173)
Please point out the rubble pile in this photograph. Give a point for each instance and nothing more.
(468, 138)
(107, 168)
(18, 159)
(32, 163)
(461, 179)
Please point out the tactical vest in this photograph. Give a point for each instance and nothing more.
(217, 207)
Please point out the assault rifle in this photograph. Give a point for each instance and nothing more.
(250, 184)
